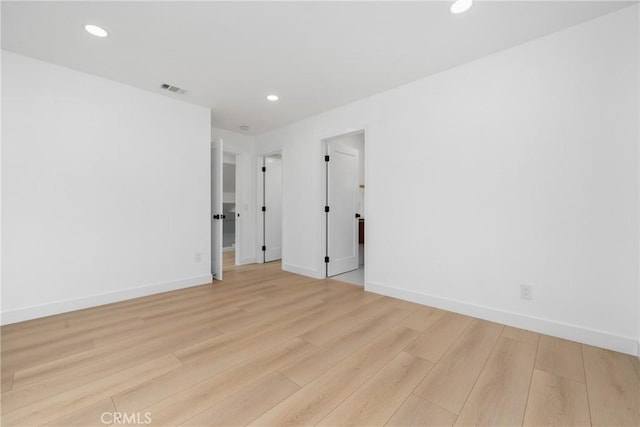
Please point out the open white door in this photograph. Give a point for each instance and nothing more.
(216, 209)
(273, 209)
(342, 200)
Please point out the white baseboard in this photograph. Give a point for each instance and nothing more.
(623, 344)
(305, 271)
(246, 261)
(57, 307)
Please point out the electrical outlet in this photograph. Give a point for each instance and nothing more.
(198, 257)
(526, 292)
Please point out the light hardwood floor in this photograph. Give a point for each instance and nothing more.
(266, 347)
(228, 260)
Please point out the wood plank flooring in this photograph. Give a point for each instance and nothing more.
(269, 348)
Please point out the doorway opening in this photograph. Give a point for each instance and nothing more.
(271, 206)
(229, 203)
(344, 197)
(226, 196)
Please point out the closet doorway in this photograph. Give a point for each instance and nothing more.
(229, 204)
(344, 226)
(271, 206)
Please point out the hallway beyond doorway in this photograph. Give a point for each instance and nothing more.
(228, 260)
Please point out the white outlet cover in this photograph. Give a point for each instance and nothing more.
(526, 292)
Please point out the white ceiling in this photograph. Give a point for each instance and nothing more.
(314, 55)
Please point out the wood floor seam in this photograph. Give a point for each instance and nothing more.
(531, 378)
(586, 384)
(495, 344)
(411, 393)
(272, 348)
(435, 404)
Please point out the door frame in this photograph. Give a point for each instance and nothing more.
(239, 198)
(260, 200)
(240, 158)
(217, 145)
(324, 149)
(237, 202)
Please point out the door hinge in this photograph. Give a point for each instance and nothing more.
(264, 248)
(326, 208)
(326, 259)
(326, 158)
(264, 169)
(264, 209)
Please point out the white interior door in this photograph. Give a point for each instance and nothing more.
(217, 215)
(342, 198)
(273, 209)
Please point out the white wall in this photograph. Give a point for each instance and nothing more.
(229, 179)
(519, 168)
(228, 158)
(244, 147)
(105, 191)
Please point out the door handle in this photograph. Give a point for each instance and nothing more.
(216, 216)
(357, 215)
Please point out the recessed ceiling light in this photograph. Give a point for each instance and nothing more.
(272, 97)
(96, 31)
(244, 128)
(461, 6)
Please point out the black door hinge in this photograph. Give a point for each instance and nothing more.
(264, 169)
(326, 158)
(326, 208)
(264, 209)
(326, 259)
(264, 248)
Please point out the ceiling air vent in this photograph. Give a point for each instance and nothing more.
(171, 88)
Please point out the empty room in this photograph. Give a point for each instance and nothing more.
(300, 213)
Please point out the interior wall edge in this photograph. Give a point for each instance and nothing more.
(566, 146)
(64, 306)
(603, 339)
